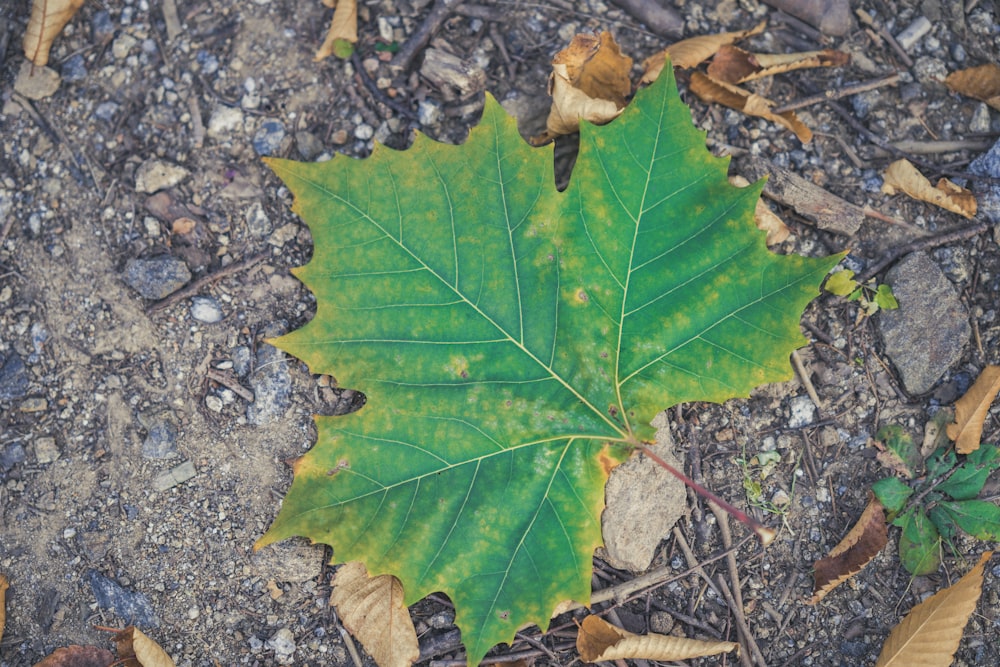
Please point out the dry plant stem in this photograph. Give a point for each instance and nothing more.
(230, 382)
(419, 39)
(349, 643)
(942, 146)
(735, 598)
(828, 95)
(922, 244)
(884, 34)
(806, 382)
(764, 534)
(692, 561)
(878, 215)
(741, 624)
(194, 287)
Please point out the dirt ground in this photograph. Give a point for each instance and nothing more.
(133, 466)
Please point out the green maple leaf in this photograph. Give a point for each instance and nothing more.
(515, 341)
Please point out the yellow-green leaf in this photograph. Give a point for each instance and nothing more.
(514, 343)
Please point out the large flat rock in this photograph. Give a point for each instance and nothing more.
(929, 332)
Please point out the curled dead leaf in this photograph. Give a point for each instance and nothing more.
(589, 81)
(861, 544)
(726, 94)
(78, 656)
(688, 53)
(135, 649)
(373, 610)
(765, 219)
(981, 83)
(903, 176)
(343, 29)
(930, 633)
(48, 18)
(734, 65)
(4, 585)
(599, 641)
(971, 411)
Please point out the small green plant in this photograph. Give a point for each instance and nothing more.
(755, 471)
(871, 296)
(931, 508)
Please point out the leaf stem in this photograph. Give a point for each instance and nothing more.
(764, 534)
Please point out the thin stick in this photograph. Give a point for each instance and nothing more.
(419, 39)
(806, 382)
(229, 381)
(208, 279)
(692, 561)
(827, 95)
(764, 534)
(741, 623)
(878, 215)
(923, 244)
(736, 597)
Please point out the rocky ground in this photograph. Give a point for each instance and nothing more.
(144, 430)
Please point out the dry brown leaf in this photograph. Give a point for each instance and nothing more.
(764, 217)
(343, 26)
(4, 585)
(589, 81)
(982, 83)
(372, 609)
(688, 53)
(137, 650)
(48, 18)
(971, 410)
(734, 65)
(726, 94)
(78, 656)
(599, 641)
(902, 176)
(930, 633)
(868, 536)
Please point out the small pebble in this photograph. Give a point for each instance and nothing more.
(122, 45)
(224, 121)
(258, 222)
(36, 83)
(428, 113)
(161, 439)
(174, 476)
(106, 111)
(283, 645)
(980, 122)
(213, 403)
(14, 378)
(34, 405)
(207, 61)
(803, 412)
(283, 234)
(11, 455)
(74, 69)
(156, 277)
(102, 29)
(154, 175)
(364, 132)
(916, 30)
(206, 309)
(268, 138)
(46, 450)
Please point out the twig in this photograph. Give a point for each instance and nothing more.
(735, 598)
(419, 39)
(806, 382)
(361, 76)
(349, 643)
(692, 561)
(867, 19)
(229, 381)
(208, 279)
(942, 146)
(828, 95)
(922, 244)
(878, 215)
(741, 623)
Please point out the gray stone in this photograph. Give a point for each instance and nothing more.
(161, 437)
(14, 378)
(36, 83)
(643, 502)
(988, 194)
(267, 140)
(154, 175)
(46, 450)
(11, 455)
(271, 383)
(928, 333)
(223, 122)
(308, 145)
(206, 309)
(803, 412)
(176, 475)
(74, 69)
(131, 607)
(156, 277)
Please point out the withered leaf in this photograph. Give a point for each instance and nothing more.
(903, 176)
(4, 585)
(765, 219)
(372, 609)
(78, 656)
(688, 53)
(981, 83)
(589, 81)
(734, 65)
(930, 633)
(599, 641)
(343, 28)
(971, 410)
(48, 18)
(854, 552)
(727, 94)
(135, 649)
